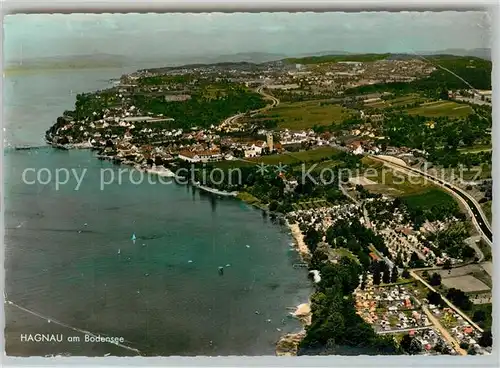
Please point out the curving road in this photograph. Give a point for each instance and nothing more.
(274, 102)
(473, 207)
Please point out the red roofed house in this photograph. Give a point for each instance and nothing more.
(468, 330)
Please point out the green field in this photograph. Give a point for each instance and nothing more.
(298, 157)
(307, 114)
(430, 198)
(289, 159)
(394, 102)
(442, 108)
(392, 182)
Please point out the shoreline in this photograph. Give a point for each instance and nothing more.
(288, 344)
(300, 245)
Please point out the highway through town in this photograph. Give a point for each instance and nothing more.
(477, 214)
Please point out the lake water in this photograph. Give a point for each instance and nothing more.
(69, 256)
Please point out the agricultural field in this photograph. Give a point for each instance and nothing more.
(441, 108)
(395, 102)
(318, 203)
(293, 158)
(324, 155)
(305, 115)
(431, 197)
(392, 182)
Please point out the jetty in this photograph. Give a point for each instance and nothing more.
(216, 191)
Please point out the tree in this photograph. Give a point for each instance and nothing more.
(459, 298)
(376, 277)
(479, 316)
(471, 351)
(405, 274)
(486, 339)
(447, 264)
(312, 238)
(425, 274)
(273, 206)
(415, 261)
(394, 274)
(405, 343)
(386, 277)
(443, 95)
(410, 345)
(363, 281)
(464, 345)
(415, 347)
(435, 279)
(434, 298)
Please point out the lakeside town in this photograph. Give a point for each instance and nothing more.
(408, 240)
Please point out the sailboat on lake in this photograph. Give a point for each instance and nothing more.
(134, 237)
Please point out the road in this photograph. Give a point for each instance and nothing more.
(464, 316)
(473, 207)
(344, 192)
(274, 102)
(472, 243)
(443, 331)
(404, 330)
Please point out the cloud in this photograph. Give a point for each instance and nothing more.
(177, 34)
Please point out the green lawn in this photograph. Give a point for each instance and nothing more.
(307, 114)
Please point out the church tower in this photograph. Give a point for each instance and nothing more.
(270, 142)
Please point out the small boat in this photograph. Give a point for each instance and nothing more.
(221, 270)
(133, 237)
(119, 251)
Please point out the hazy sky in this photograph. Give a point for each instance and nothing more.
(153, 35)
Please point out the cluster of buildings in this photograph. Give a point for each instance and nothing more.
(459, 328)
(324, 217)
(389, 309)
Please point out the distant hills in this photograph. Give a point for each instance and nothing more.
(482, 53)
(102, 60)
(67, 62)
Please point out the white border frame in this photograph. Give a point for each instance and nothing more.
(138, 6)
